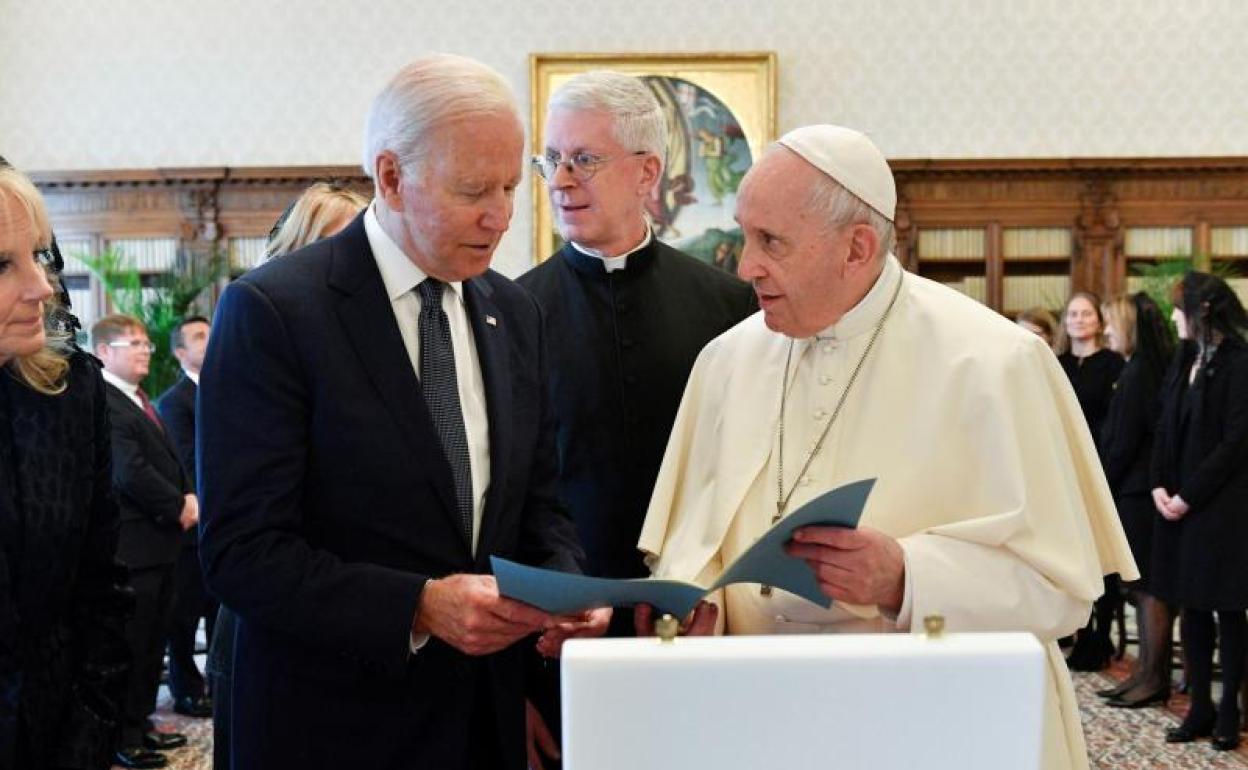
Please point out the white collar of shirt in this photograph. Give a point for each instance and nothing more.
(611, 264)
(192, 376)
(400, 277)
(863, 317)
(399, 273)
(128, 388)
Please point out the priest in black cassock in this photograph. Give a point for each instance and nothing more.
(626, 316)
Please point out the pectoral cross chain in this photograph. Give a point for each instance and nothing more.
(766, 590)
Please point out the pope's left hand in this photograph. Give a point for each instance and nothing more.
(588, 624)
(858, 566)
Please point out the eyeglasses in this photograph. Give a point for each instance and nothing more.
(581, 165)
(135, 345)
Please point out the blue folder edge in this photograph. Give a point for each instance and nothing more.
(764, 562)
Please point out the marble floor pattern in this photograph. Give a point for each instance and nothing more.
(1118, 739)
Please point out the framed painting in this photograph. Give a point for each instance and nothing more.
(721, 114)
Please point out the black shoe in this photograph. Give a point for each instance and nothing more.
(193, 707)
(157, 741)
(135, 756)
(1225, 742)
(1159, 696)
(1117, 691)
(1188, 732)
(1087, 662)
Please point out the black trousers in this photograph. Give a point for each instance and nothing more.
(222, 702)
(146, 632)
(191, 602)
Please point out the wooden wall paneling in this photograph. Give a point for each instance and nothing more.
(1097, 199)
(994, 269)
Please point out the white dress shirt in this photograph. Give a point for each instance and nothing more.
(401, 276)
(129, 388)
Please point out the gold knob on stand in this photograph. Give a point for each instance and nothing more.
(934, 625)
(667, 627)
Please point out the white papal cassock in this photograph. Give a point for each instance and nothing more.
(988, 476)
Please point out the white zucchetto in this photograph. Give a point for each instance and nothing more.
(850, 158)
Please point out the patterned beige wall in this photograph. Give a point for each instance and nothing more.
(141, 83)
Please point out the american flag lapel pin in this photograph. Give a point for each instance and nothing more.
(491, 320)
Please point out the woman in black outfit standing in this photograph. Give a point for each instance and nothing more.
(63, 601)
(1136, 329)
(1093, 370)
(1200, 485)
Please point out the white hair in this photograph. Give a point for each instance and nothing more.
(426, 93)
(838, 206)
(636, 117)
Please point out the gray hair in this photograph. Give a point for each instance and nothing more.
(426, 93)
(838, 206)
(636, 117)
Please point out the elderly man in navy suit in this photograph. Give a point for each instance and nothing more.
(374, 425)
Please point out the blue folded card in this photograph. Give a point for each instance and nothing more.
(764, 562)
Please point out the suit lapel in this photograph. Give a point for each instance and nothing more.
(490, 335)
(155, 431)
(368, 319)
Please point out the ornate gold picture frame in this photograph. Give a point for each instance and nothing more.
(721, 111)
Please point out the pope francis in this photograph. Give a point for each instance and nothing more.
(991, 508)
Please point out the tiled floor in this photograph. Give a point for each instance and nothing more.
(1118, 739)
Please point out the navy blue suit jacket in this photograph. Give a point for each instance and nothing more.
(327, 503)
(176, 407)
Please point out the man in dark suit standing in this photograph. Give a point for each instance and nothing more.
(374, 425)
(157, 507)
(176, 406)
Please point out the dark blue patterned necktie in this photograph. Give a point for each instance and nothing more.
(439, 385)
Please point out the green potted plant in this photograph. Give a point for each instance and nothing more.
(160, 304)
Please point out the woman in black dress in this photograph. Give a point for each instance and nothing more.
(1200, 484)
(1135, 328)
(1093, 369)
(63, 601)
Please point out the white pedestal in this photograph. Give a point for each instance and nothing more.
(956, 702)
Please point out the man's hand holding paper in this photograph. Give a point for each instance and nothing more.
(587, 625)
(467, 612)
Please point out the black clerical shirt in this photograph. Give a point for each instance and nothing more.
(621, 346)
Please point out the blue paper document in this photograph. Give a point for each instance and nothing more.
(764, 562)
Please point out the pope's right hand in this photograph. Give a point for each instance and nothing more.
(701, 622)
(467, 612)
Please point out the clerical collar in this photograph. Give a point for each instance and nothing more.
(862, 317)
(611, 264)
(399, 273)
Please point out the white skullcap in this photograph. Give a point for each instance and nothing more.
(850, 158)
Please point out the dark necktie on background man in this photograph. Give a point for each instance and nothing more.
(439, 385)
(149, 409)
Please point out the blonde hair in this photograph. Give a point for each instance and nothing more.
(45, 370)
(1119, 313)
(319, 207)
